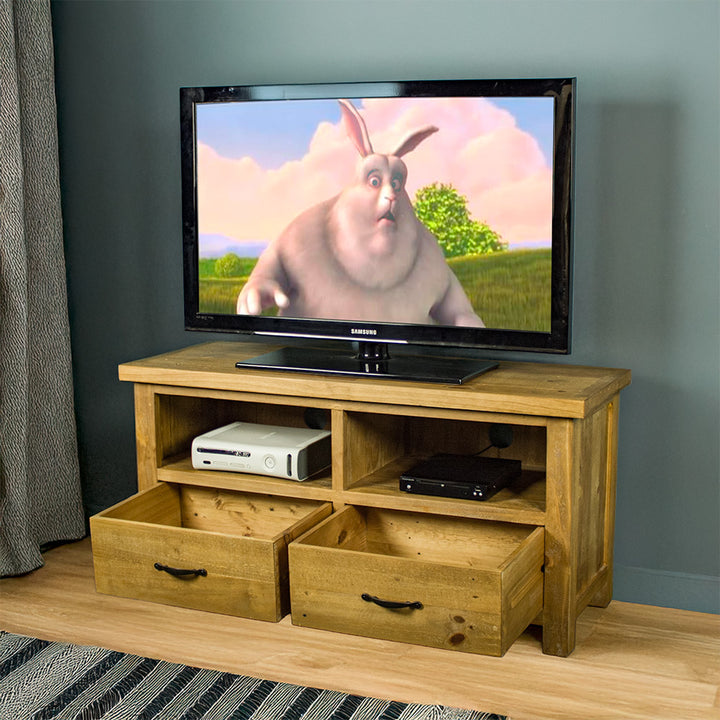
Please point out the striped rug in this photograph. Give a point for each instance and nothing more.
(41, 680)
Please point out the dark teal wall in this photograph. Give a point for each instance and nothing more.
(646, 233)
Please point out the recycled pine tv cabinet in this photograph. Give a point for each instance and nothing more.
(347, 550)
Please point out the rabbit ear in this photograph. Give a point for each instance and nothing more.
(355, 128)
(413, 140)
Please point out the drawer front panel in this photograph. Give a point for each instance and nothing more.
(200, 548)
(453, 606)
(240, 574)
(327, 589)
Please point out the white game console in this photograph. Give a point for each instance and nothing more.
(284, 452)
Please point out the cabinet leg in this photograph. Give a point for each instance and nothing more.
(603, 596)
(558, 636)
(561, 539)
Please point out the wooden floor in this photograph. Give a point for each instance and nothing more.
(631, 661)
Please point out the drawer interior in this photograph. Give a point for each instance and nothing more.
(239, 514)
(455, 541)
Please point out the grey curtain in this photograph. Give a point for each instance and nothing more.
(40, 498)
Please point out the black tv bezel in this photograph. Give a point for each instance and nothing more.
(557, 340)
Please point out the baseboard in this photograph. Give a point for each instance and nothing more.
(699, 593)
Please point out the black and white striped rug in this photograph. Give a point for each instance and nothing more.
(41, 680)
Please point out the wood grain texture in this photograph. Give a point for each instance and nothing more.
(561, 535)
(532, 388)
(563, 417)
(479, 584)
(238, 540)
(632, 662)
(146, 442)
(181, 471)
(603, 594)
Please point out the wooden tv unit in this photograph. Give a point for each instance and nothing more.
(460, 574)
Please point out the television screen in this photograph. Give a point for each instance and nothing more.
(436, 213)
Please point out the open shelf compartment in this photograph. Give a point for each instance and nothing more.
(182, 415)
(379, 447)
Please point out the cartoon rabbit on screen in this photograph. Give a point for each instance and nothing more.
(361, 255)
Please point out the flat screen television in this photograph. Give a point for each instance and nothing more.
(427, 215)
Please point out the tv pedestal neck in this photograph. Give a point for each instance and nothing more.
(564, 420)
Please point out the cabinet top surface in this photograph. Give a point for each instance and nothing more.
(545, 389)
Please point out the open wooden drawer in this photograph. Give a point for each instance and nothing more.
(447, 582)
(202, 548)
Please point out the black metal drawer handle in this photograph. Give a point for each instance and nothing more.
(391, 603)
(177, 572)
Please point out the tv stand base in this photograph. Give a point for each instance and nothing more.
(421, 368)
(538, 551)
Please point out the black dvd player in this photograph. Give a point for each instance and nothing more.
(468, 477)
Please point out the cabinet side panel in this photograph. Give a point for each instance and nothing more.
(603, 595)
(592, 498)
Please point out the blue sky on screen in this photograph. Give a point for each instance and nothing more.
(258, 130)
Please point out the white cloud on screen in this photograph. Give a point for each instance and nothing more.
(479, 149)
